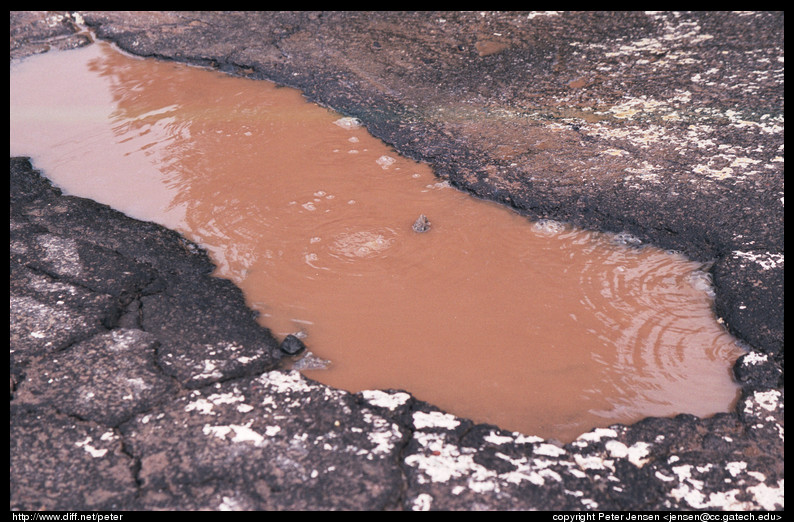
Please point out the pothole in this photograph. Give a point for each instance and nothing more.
(538, 328)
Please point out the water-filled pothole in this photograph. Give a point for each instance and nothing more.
(537, 328)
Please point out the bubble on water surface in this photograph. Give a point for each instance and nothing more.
(385, 161)
(624, 238)
(549, 227)
(348, 123)
(438, 185)
(702, 281)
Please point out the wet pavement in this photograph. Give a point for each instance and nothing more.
(139, 382)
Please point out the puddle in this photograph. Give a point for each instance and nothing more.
(537, 328)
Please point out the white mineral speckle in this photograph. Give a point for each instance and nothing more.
(283, 382)
(768, 497)
(383, 399)
(591, 462)
(690, 490)
(422, 502)
(734, 468)
(435, 419)
(442, 462)
(766, 260)
(230, 504)
(664, 478)
(527, 439)
(767, 400)
(635, 454)
(225, 398)
(595, 435)
(209, 371)
(617, 449)
(236, 432)
(384, 434)
(202, 405)
(760, 477)
(549, 450)
(755, 358)
(493, 438)
(94, 452)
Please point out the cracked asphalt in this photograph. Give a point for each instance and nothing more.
(140, 382)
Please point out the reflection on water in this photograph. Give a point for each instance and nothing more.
(537, 328)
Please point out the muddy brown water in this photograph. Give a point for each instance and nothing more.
(535, 327)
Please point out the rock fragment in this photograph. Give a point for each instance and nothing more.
(422, 224)
(291, 345)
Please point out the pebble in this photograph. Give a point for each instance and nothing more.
(291, 345)
(422, 224)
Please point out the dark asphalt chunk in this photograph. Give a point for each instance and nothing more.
(59, 461)
(106, 379)
(291, 345)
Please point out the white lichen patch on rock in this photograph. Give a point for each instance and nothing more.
(635, 454)
(201, 405)
(209, 371)
(675, 38)
(754, 358)
(691, 491)
(284, 382)
(382, 434)
(422, 502)
(548, 450)
(644, 171)
(495, 438)
(383, 399)
(722, 166)
(441, 463)
(642, 136)
(236, 433)
(767, 260)
(594, 436)
(90, 449)
(760, 401)
(204, 405)
(435, 419)
(681, 122)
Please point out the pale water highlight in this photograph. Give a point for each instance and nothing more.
(535, 327)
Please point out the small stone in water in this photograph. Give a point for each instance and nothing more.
(309, 361)
(291, 345)
(422, 224)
